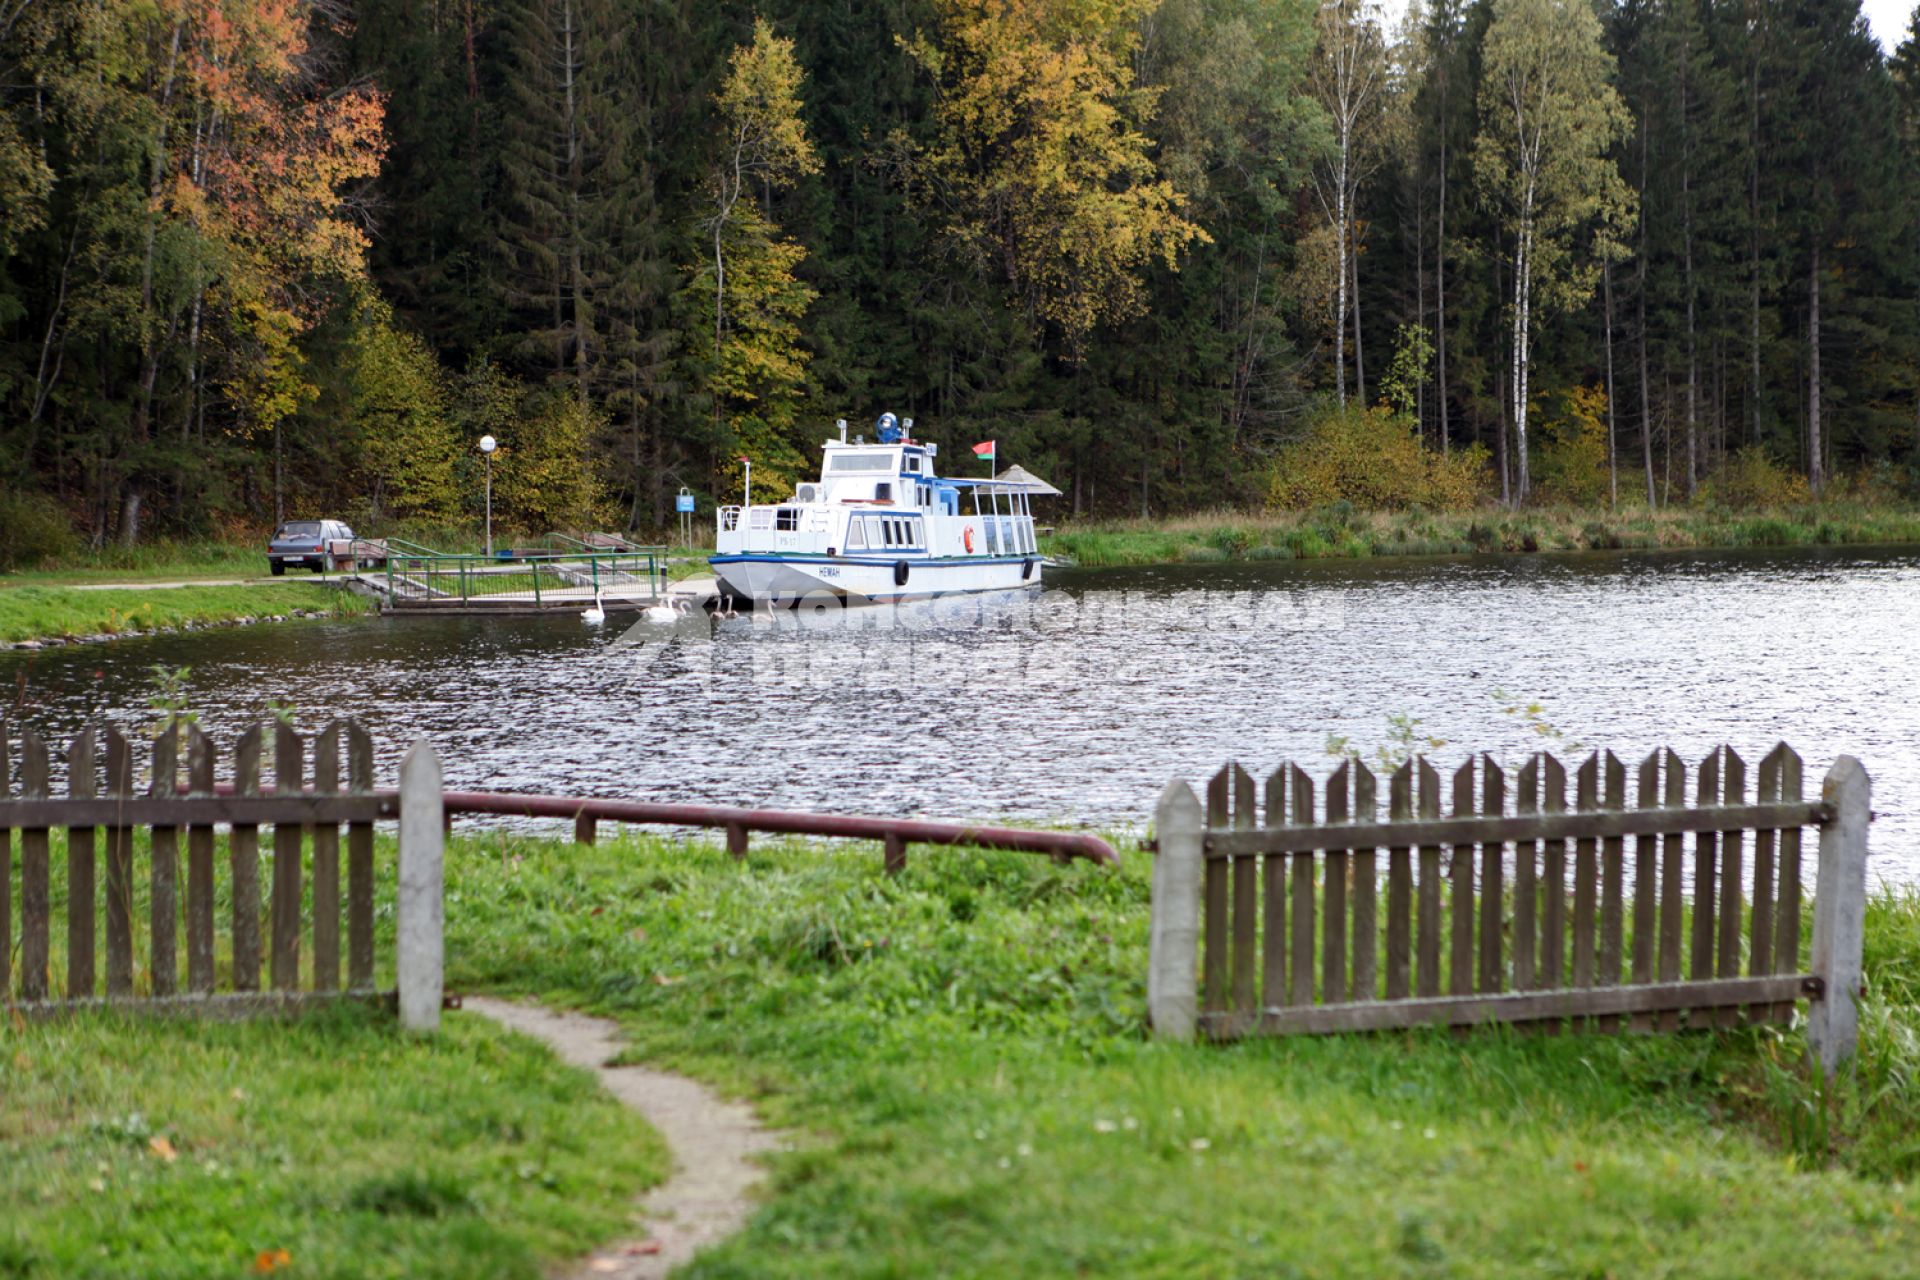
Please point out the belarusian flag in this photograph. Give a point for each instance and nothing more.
(984, 450)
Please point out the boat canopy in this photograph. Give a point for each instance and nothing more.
(1032, 483)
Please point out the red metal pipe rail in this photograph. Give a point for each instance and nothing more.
(895, 834)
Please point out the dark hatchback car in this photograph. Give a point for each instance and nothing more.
(308, 543)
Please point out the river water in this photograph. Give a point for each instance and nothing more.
(1078, 705)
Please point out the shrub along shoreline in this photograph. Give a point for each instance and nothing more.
(1340, 530)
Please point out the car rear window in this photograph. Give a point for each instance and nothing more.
(301, 529)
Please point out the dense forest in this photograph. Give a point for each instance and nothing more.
(261, 258)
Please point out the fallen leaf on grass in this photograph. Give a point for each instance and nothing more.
(268, 1261)
(162, 1148)
(604, 1266)
(638, 935)
(664, 980)
(644, 1248)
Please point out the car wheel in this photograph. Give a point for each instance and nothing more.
(277, 567)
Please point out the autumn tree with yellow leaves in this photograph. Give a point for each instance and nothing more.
(1041, 168)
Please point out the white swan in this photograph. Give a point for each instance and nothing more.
(665, 614)
(596, 614)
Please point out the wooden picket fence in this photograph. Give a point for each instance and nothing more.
(304, 812)
(1482, 923)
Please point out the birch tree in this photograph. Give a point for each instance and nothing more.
(765, 143)
(1548, 118)
(1348, 78)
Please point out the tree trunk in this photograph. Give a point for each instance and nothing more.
(1419, 310)
(1753, 246)
(1359, 358)
(1440, 277)
(1522, 272)
(1686, 241)
(1816, 463)
(1613, 473)
(1340, 289)
(1693, 351)
(130, 517)
(1646, 394)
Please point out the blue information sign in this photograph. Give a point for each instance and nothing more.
(683, 502)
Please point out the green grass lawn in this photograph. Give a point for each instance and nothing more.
(961, 1052)
(155, 1149)
(966, 1041)
(40, 612)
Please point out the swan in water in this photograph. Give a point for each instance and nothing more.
(596, 614)
(665, 614)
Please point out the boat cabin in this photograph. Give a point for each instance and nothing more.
(884, 499)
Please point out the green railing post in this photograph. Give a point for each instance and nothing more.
(535, 565)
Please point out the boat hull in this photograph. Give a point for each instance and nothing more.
(776, 579)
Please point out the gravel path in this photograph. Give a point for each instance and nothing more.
(713, 1143)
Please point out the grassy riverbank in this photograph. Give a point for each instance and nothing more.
(43, 612)
(163, 1149)
(1339, 530)
(965, 1042)
(163, 561)
(961, 1048)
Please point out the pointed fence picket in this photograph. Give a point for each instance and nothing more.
(189, 805)
(1541, 914)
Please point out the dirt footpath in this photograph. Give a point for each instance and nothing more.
(709, 1194)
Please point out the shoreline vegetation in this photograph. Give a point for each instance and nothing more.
(49, 605)
(963, 1044)
(1339, 530)
(36, 617)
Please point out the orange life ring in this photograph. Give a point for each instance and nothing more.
(966, 536)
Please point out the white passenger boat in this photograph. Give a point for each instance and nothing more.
(880, 525)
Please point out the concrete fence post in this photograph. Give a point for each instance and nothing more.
(422, 908)
(1173, 946)
(1840, 913)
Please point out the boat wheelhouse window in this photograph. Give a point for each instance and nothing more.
(761, 518)
(862, 462)
(788, 519)
(856, 535)
(883, 493)
(873, 530)
(913, 464)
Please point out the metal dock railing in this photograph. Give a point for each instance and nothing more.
(550, 578)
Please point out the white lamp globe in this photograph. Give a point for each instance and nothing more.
(488, 444)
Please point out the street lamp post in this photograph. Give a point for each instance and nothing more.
(487, 445)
